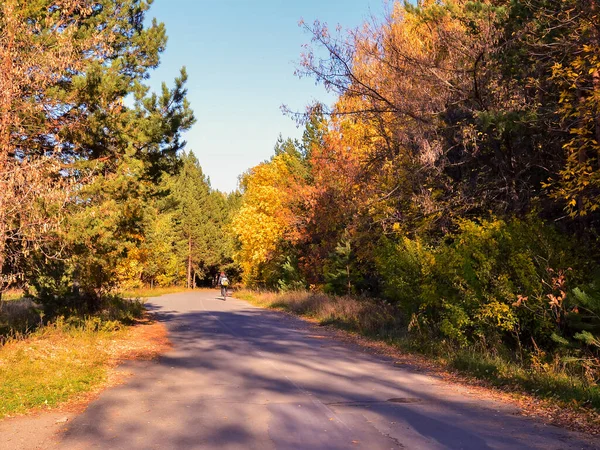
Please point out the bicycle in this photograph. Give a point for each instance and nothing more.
(224, 292)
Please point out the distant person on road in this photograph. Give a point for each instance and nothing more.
(223, 282)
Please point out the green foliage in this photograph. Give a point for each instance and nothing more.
(116, 221)
(339, 270)
(290, 277)
(493, 283)
(201, 216)
(552, 382)
(142, 212)
(402, 265)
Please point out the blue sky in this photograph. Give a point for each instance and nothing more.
(240, 56)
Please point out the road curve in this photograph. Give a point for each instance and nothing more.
(240, 377)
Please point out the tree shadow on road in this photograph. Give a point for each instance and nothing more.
(262, 367)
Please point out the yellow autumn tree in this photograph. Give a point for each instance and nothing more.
(577, 76)
(265, 217)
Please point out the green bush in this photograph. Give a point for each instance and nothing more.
(494, 283)
(402, 267)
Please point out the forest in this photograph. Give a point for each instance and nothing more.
(451, 192)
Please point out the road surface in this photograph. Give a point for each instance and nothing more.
(240, 377)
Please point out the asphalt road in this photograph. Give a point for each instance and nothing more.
(240, 377)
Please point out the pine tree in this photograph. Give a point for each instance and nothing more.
(112, 155)
(191, 192)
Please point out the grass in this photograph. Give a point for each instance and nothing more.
(548, 383)
(382, 322)
(12, 294)
(50, 367)
(147, 292)
(63, 360)
(366, 316)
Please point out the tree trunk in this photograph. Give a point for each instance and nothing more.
(348, 275)
(581, 159)
(596, 83)
(189, 271)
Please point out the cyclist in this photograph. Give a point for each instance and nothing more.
(223, 282)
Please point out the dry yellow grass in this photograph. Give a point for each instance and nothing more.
(367, 316)
(12, 294)
(60, 365)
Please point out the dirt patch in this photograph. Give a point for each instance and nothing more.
(38, 429)
(146, 340)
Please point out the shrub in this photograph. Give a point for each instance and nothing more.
(492, 282)
(402, 267)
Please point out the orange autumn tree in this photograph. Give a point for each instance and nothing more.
(380, 162)
(335, 196)
(397, 78)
